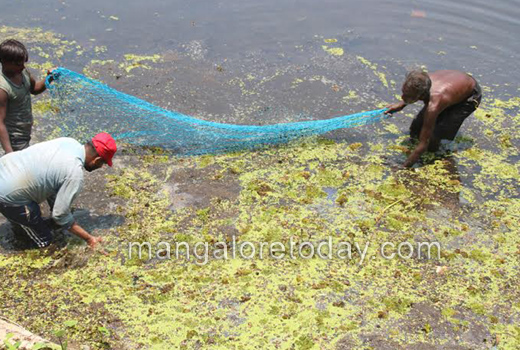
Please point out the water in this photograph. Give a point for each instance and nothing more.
(264, 38)
(476, 36)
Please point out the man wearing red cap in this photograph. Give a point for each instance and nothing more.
(51, 171)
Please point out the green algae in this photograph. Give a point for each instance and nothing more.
(43, 107)
(352, 95)
(335, 51)
(308, 190)
(138, 61)
(55, 44)
(374, 67)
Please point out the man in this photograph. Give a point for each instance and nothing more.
(16, 87)
(53, 171)
(449, 97)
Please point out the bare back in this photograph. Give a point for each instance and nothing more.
(450, 86)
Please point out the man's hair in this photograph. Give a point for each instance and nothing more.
(417, 83)
(13, 51)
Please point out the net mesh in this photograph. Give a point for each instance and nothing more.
(87, 106)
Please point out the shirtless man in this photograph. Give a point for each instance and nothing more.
(449, 97)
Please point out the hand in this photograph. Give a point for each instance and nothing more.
(94, 241)
(407, 165)
(395, 107)
(49, 72)
(94, 244)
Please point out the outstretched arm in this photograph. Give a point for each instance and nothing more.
(4, 136)
(37, 87)
(395, 107)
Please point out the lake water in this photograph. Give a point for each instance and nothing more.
(476, 36)
(264, 62)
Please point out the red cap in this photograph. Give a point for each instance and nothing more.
(105, 146)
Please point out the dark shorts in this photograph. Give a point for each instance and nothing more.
(450, 120)
(19, 144)
(27, 219)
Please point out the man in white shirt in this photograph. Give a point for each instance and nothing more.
(52, 171)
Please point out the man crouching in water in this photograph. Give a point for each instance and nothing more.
(449, 97)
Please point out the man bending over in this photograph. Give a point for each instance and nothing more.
(449, 97)
(52, 171)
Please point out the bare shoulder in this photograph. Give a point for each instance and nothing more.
(451, 86)
(450, 76)
(3, 97)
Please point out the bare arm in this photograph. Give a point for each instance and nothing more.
(77, 230)
(37, 87)
(61, 213)
(395, 107)
(430, 115)
(4, 136)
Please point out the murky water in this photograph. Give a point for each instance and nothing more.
(284, 39)
(476, 36)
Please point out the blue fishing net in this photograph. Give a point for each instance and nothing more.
(86, 106)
